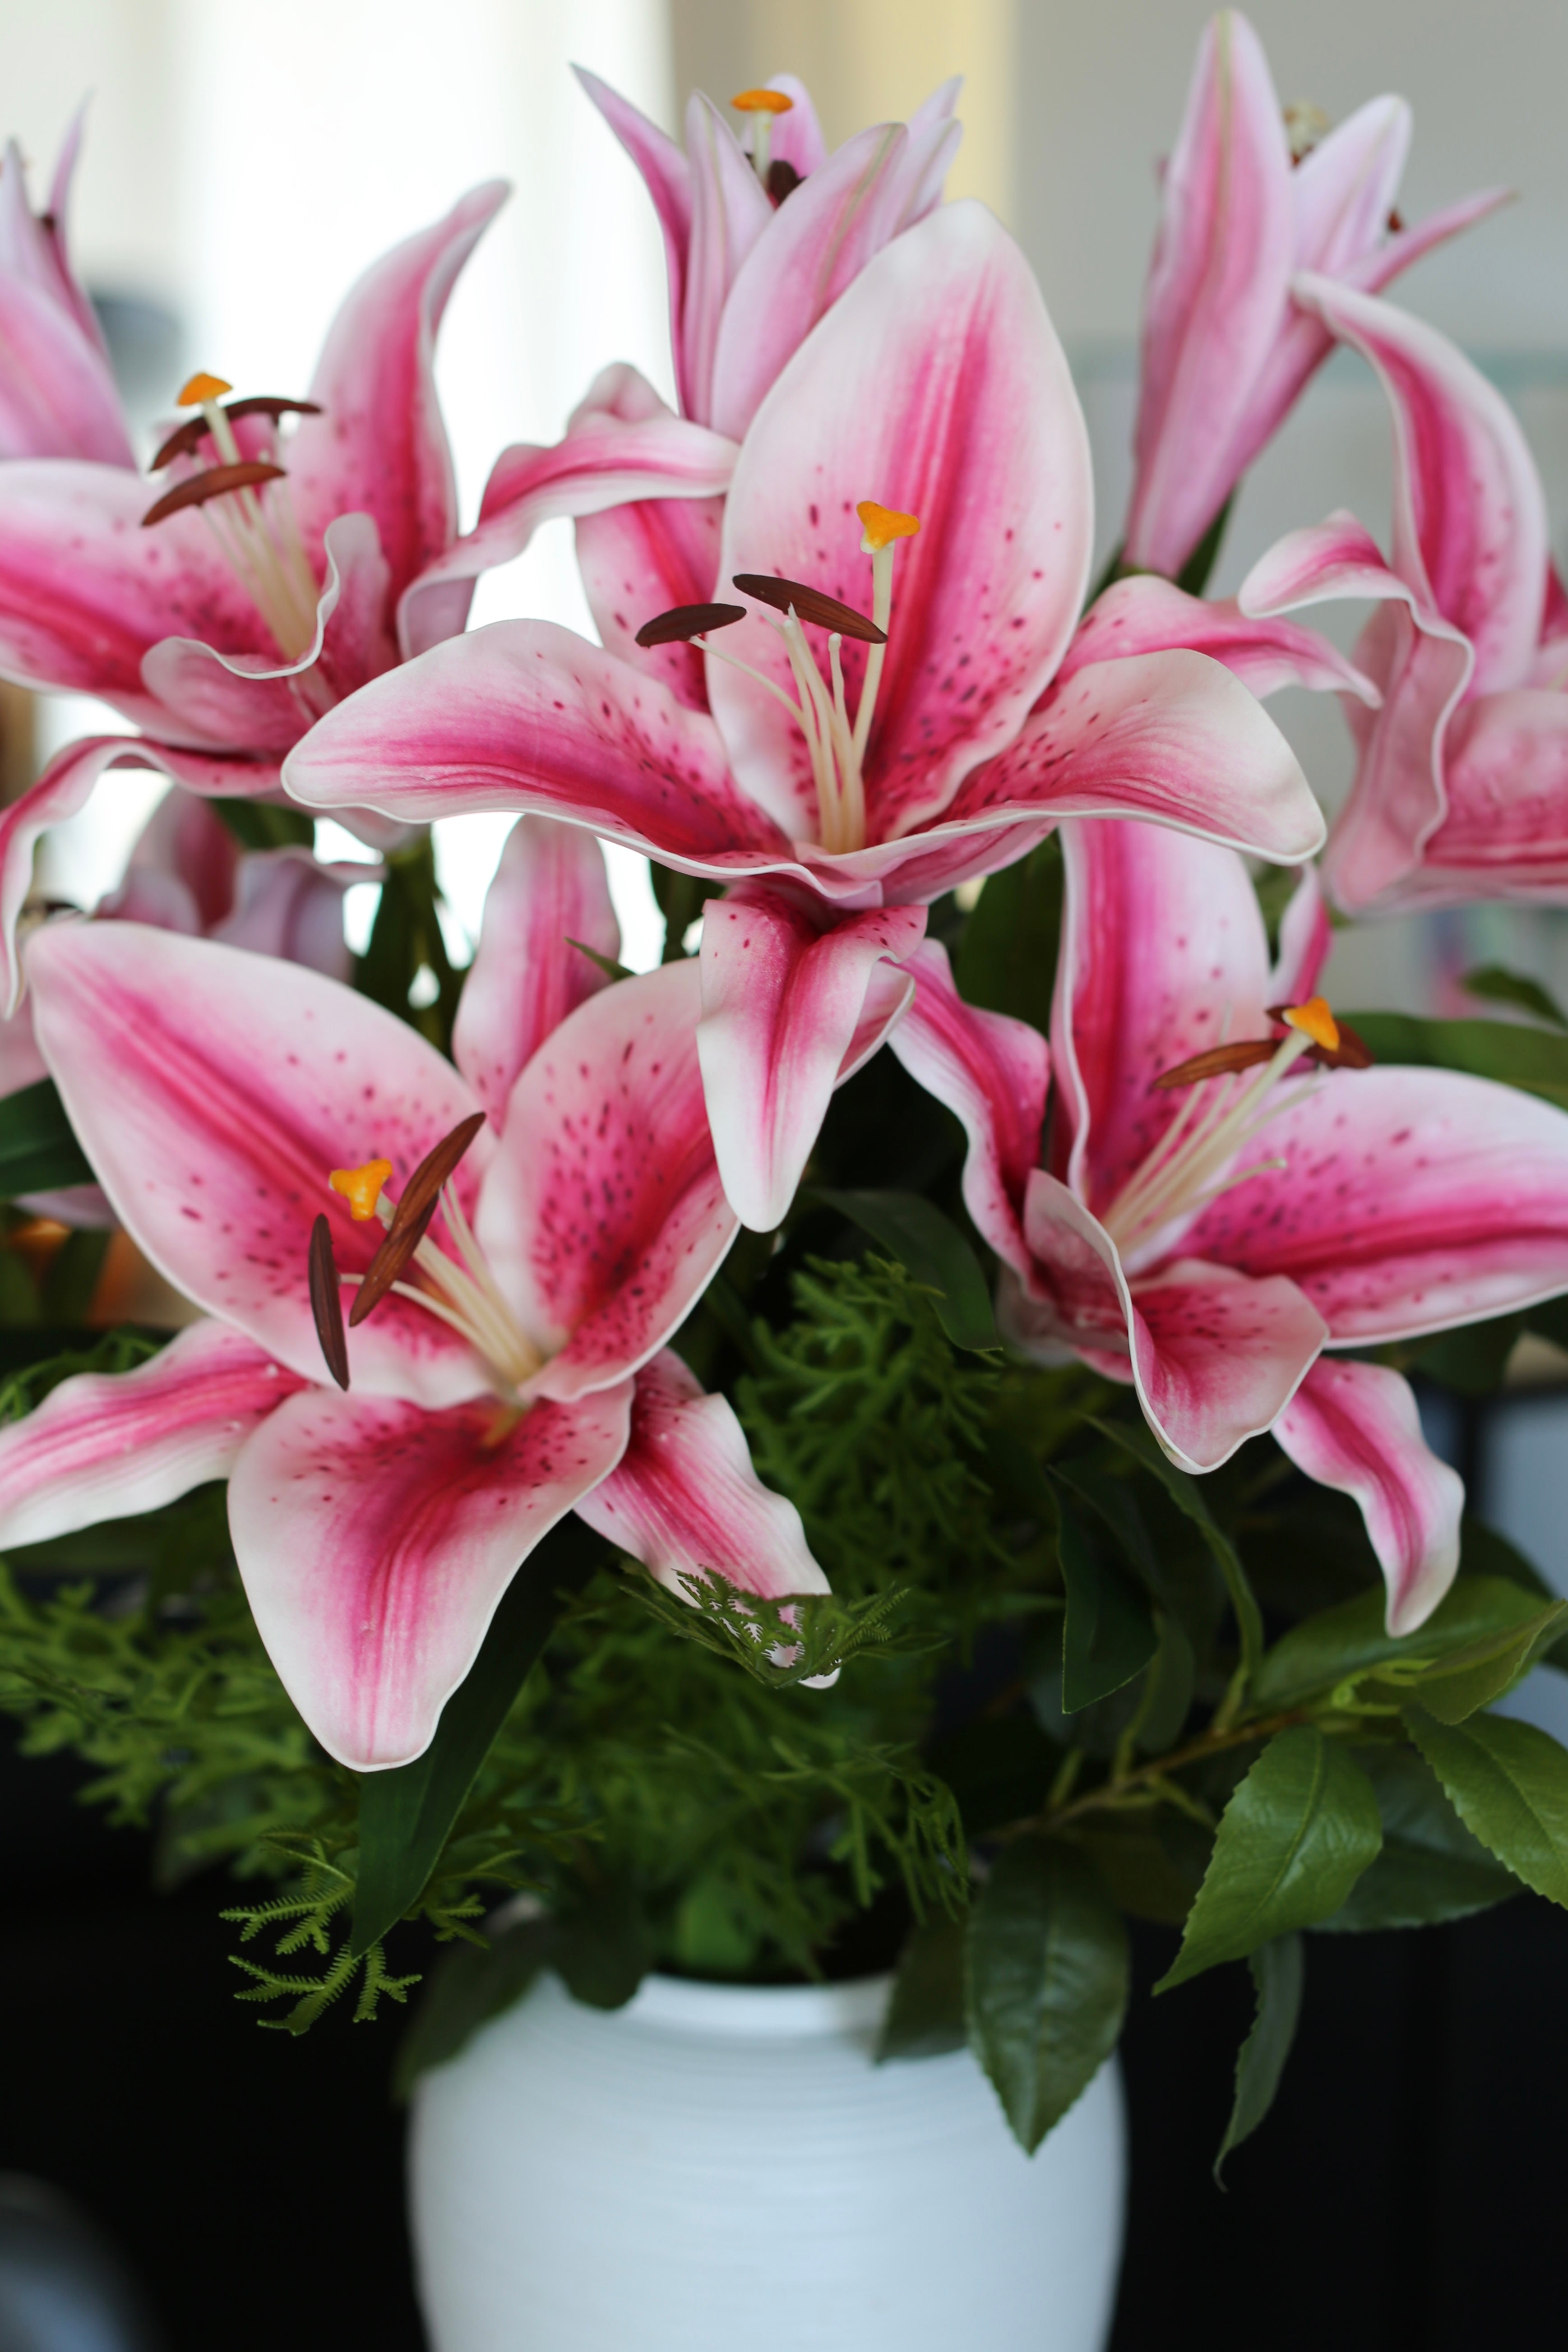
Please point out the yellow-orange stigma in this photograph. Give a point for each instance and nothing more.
(762, 101)
(1315, 1021)
(882, 525)
(200, 388)
(361, 1186)
(761, 105)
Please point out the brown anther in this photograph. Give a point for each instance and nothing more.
(684, 620)
(326, 1302)
(1395, 222)
(810, 605)
(1353, 1052)
(187, 436)
(412, 1216)
(1245, 1055)
(213, 484)
(782, 178)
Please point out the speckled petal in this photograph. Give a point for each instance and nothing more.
(214, 1093)
(376, 1541)
(667, 176)
(1147, 615)
(1504, 833)
(684, 1495)
(603, 1214)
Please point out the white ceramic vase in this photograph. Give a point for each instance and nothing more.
(722, 2168)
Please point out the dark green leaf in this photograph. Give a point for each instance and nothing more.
(1046, 1975)
(925, 2015)
(1509, 1784)
(602, 1949)
(999, 1768)
(1168, 1692)
(1430, 1868)
(1260, 2061)
(606, 964)
(1153, 1863)
(1530, 1059)
(405, 1815)
(931, 1250)
(1488, 1553)
(406, 940)
(1292, 1843)
(1193, 575)
(1472, 1360)
(265, 825)
(1109, 1635)
(1340, 1645)
(1484, 1670)
(1007, 963)
(681, 899)
(1135, 1437)
(39, 1149)
(1493, 981)
(468, 1985)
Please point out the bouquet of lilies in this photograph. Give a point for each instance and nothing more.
(891, 1438)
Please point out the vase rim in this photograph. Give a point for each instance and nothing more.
(804, 2013)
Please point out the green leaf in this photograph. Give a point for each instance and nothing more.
(1292, 1842)
(39, 1149)
(1109, 1635)
(1008, 961)
(1046, 1974)
(1430, 1868)
(1135, 1437)
(1488, 1553)
(606, 964)
(925, 2015)
(1260, 2061)
(1151, 1864)
(999, 1768)
(1530, 1059)
(405, 1815)
(469, 1985)
(1473, 1359)
(1484, 1670)
(602, 1949)
(931, 1250)
(1342, 1644)
(406, 940)
(681, 899)
(1495, 982)
(1193, 575)
(265, 825)
(1509, 1784)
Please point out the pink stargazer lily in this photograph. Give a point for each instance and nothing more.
(1462, 787)
(223, 633)
(938, 385)
(518, 1370)
(1206, 1242)
(58, 397)
(1226, 350)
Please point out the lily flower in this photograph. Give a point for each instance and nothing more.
(268, 581)
(57, 396)
(915, 491)
(1461, 786)
(520, 1235)
(1230, 1190)
(1250, 197)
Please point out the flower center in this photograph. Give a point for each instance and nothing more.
(761, 106)
(459, 1289)
(1193, 1162)
(835, 744)
(245, 504)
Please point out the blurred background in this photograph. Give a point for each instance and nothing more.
(240, 166)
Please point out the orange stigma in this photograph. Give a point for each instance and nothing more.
(762, 101)
(360, 1187)
(200, 388)
(883, 525)
(1315, 1021)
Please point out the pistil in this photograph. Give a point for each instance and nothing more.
(761, 105)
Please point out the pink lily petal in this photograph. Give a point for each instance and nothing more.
(797, 138)
(1410, 1200)
(1505, 831)
(685, 1496)
(992, 1072)
(35, 246)
(106, 1445)
(1380, 267)
(146, 896)
(603, 1215)
(1146, 614)
(934, 141)
(729, 214)
(288, 903)
(1163, 955)
(184, 839)
(1346, 186)
(622, 445)
(550, 890)
(58, 397)
(523, 715)
(668, 175)
(379, 447)
(644, 559)
(213, 1096)
(1306, 936)
(781, 1001)
(1470, 515)
(1215, 1357)
(1172, 737)
(1217, 295)
(1355, 1427)
(21, 1063)
(376, 1541)
(940, 390)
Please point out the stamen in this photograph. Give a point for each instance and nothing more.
(811, 603)
(198, 389)
(782, 180)
(883, 525)
(326, 1302)
(762, 101)
(761, 105)
(189, 435)
(1243, 1055)
(1315, 1020)
(361, 1186)
(413, 1213)
(215, 483)
(683, 622)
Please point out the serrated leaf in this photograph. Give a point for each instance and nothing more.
(1138, 1440)
(405, 1815)
(931, 1250)
(39, 1149)
(1295, 1837)
(1481, 1671)
(925, 2016)
(1340, 1644)
(1509, 1784)
(1108, 1634)
(1276, 1970)
(1046, 1979)
(1430, 1868)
